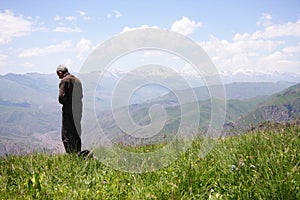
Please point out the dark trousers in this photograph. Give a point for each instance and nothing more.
(71, 131)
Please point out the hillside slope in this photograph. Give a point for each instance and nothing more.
(281, 107)
(239, 91)
(232, 170)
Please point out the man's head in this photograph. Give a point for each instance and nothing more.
(61, 70)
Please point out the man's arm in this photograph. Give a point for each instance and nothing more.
(63, 88)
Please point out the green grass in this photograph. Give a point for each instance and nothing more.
(258, 165)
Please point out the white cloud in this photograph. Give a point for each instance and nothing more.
(292, 49)
(84, 15)
(185, 26)
(279, 61)
(259, 55)
(57, 18)
(67, 29)
(264, 50)
(32, 52)
(13, 26)
(188, 70)
(238, 46)
(81, 13)
(84, 47)
(70, 18)
(28, 65)
(151, 53)
(126, 28)
(266, 20)
(115, 14)
(68, 62)
(3, 59)
(273, 31)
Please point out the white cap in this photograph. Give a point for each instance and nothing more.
(61, 68)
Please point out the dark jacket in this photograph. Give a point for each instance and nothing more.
(70, 92)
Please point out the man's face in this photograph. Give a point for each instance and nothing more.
(60, 74)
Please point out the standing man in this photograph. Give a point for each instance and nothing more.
(70, 96)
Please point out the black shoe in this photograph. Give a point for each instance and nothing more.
(84, 153)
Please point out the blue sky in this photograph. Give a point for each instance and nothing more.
(259, 35)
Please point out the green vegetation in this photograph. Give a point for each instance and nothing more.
(263, 164)
(281, 107)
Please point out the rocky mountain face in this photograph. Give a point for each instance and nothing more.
(278, 108)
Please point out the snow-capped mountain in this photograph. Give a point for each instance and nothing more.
(254, 76)
(195, 80)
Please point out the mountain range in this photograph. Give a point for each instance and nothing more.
(241, 115)
(30, 116)
(280, 107)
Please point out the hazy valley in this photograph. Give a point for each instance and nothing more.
(30, 115)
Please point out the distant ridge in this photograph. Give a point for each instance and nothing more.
(29, 107)
(281, 107)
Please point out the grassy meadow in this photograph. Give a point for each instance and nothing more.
(262, 164)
